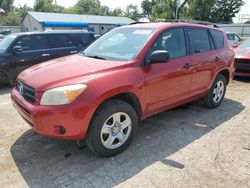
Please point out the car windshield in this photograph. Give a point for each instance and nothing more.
(5, 43)
(245, 44)
(121, 44)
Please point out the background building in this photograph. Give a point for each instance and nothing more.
(40, 21)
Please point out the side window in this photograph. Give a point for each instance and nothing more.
(25, 43)
(59, 41)
(218, 38)
(39, 42)
(199, 40)
(81, 39)
(172, 41)
(32, 42)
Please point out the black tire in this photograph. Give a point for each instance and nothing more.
(209, 98)
(103, 113)
(4, 78)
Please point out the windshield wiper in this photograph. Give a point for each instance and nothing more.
(96, 57)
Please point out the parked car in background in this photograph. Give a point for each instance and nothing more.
(233, 39)
(126, 75)
(1, 36)
(22, 50)
(242, 59)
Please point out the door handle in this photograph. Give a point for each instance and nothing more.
(217, 59)
(187, 66)
(45, 55)
(73, 52)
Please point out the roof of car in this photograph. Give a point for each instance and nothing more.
(158, 25)
(54, 32)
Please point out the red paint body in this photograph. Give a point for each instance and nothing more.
(242, 61)
(157, 87)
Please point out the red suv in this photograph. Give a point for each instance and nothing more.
(126, 75)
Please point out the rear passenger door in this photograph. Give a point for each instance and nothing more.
(60, 45)
(203, 59)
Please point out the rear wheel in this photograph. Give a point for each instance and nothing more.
(217, 92)
(112, 129)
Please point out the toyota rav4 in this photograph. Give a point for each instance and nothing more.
(126, 75)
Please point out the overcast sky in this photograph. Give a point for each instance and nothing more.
(119, 3)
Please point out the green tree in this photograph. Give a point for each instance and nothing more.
(180, 8)
(147, 7)
(88, 7)
(44, 6)
(200, 9)
(7, 5)
(58, 9)
(132, 12)
(225, 10)
(105, 11)
(22, 11)
(11, 19)
(117, 12)
(164, 9)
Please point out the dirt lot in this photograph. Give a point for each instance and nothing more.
(185, 147)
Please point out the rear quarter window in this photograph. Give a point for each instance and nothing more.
(81, 40)
(59, 41)
(218, 38)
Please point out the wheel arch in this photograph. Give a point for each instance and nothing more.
(131, 99)
(4, 74)
(226, 73)
(128, 97)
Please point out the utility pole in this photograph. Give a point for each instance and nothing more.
(177, 9)
(56, 8)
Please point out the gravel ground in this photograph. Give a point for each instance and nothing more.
(189, 146)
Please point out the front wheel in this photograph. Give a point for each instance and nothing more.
(216, 93)
(112, 128)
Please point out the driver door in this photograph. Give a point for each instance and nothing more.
(33, 48)
(168, 83)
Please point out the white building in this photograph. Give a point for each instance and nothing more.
(40, 21)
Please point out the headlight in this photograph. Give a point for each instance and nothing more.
(62, 95)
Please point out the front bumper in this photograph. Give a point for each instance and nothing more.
(46, 120)
(242, 67)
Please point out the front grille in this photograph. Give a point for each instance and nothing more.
(27, 92)
(243, 70)
(243, 61)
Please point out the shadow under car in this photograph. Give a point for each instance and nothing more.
(45, 162)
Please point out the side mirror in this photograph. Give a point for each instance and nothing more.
(159, 56)
(17, 49)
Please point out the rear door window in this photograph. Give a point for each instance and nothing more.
(218, 38)
(59, 41)
(198, 40)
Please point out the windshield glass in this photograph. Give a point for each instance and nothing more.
(245, 44)
(5, 43)
(119, 44)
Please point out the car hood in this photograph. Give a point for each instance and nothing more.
(65, 71)
(242, 53)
